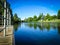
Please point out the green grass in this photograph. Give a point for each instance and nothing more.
(56, 20)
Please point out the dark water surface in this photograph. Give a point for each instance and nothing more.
(37, 34)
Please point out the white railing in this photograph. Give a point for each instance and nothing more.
(6, 18)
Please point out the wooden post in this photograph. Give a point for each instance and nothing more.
(4, 18)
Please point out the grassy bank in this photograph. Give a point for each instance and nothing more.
(56, 20)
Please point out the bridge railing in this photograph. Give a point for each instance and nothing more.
(6, 17)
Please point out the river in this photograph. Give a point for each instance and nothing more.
(37, 33)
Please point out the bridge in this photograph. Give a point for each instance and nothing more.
(6, 17)
(6, 28)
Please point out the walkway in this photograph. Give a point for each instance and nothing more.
(8, 37)
(6, 29)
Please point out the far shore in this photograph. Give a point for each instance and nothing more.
(57, 20)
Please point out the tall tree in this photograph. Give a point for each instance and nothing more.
(54, 17)
(48, 16)
(30, 19)
(40, 16)
(15, 17)
(35, 18)
(58, 15)
(1, 8)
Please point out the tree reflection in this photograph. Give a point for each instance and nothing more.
(30, 25)
(35, 26)
(47, 26)
(54, 25)
(58, 28)
(43, 26)
(40, 27)
(16, 25)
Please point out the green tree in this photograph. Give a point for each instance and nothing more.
(54, 17)
(45, 18)
(25, 20)
(48, 16)
(19, 19)
(30, 19)
(2, 0)
(58, 15)
(40, 16)
(1, 8)
(35, 18)
(16, 18)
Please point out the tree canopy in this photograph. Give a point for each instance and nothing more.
(16, 18)
(58, 15)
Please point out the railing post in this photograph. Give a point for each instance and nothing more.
(7, 16)
(4, 18)
(2, 21)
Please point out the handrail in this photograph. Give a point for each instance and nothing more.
(2, 29)
(3, 17)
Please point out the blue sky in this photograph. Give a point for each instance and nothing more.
(29, 8)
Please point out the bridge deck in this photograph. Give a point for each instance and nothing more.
(9, 37)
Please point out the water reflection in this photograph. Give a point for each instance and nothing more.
(16, 25)
(58, 28)
(37, 34)
(43, 26)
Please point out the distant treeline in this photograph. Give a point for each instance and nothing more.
(43, 17)
(37, 18)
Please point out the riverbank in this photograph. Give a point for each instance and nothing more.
(57, 20)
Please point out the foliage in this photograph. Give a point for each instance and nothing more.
(54, 17)
(40, 16)
(1, 9)
(46, 17)
(15, 18)
(58, 15)
(35, 18)
(30, 19)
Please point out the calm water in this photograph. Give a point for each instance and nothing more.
(37, 34)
